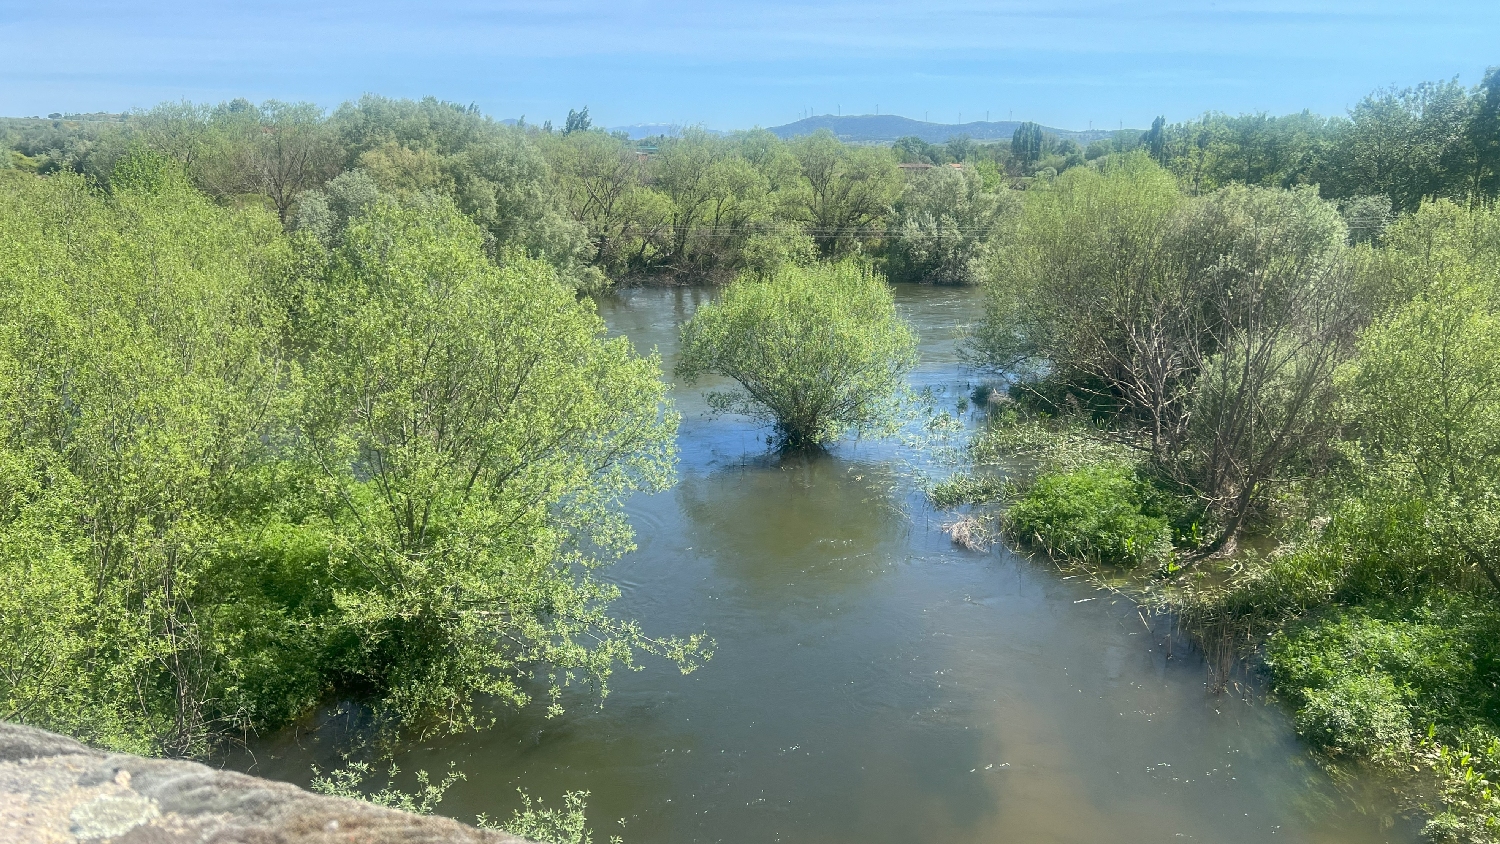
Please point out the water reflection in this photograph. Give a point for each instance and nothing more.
(818, 524)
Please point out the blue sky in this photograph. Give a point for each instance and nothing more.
(1064, 63)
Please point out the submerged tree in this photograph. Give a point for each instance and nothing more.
(473, 430)
(818, 351)
(240, 471)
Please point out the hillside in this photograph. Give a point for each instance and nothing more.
(889, 127)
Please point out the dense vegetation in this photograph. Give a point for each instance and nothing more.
(1396, 148)
(1253, 370)
(297, 405)
(601, 208)
(593, 205)
(241, 472)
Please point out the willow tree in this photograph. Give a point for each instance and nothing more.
(141, 380)
(236, 480)
(475, 432)
(845, 191)
(818, 351)
(944, 225)
(1204, 330)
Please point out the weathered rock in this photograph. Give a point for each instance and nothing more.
(54, 790)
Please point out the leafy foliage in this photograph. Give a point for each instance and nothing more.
(1101, 514)
(843, 193)
(1385, 604)
(1370, 679)
(944, 226)
(1204, 331)
(240, 472)
(818, 351)
(349, 782)
(535, 822)
(140, 386)
(474, 432)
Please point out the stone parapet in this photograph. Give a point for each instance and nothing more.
(54, 790)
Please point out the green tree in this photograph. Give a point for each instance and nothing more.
(1408, 144)
(1425, 477)
(1026, 143)
(602, 182)
(1205, 330)
(494, 173)
(1277, 294)
(718, 200)
(914, 150)
(944, 225)
(241, 471)
(845, 191)
(578, 121)
(961, 148)
(1484, 135)
(818, 351)
(1094, 236)
(475, 433)
(141, 395)
(277, 151)
(1155, 139)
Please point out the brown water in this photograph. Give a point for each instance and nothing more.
(873, 683)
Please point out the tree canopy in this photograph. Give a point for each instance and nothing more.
(818, 351)
(242, 471)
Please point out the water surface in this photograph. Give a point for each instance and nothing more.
(873, 683)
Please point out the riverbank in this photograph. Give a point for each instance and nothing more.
(1399, 683)
(871, 681)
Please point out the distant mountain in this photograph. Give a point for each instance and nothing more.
(637, 131)
(867, 128)
(875, 128)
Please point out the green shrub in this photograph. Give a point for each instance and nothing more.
(1367, 679)
(567, 825)
(1100, 514)
(819, 351)
(349, 783)
(1466, 775)
(1361, 713)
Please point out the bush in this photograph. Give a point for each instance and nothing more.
(1098, 514)
(218, 507)
(1366, 679)
(535, 822)
(1362, 713)
(819, 351)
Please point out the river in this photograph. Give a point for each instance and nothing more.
(872, 682)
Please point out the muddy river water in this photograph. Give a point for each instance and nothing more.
(874, 683)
